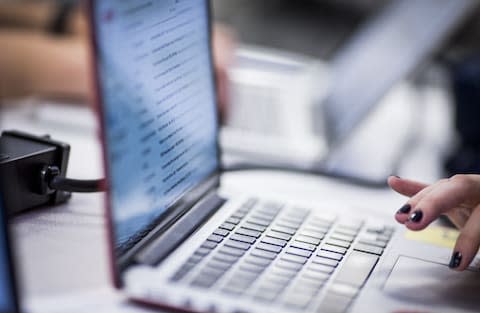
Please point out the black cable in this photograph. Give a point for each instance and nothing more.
(76, 185)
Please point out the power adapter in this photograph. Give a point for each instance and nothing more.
(32, 172)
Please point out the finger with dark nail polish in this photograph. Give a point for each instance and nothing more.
(404, 209)
(416, 216)
(455, 260)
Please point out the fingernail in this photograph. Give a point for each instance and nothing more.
(397, 176)
(416, 216)
(455, 260)
(404, 209)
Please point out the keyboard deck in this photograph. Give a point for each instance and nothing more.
(288, 256)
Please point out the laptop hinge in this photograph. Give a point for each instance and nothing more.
(159, 248)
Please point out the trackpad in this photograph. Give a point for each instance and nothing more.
(429, 283)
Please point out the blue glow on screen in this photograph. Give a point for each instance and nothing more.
(159, 108)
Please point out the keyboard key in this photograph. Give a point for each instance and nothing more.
(294, 258)
(179, 275)
(321, 268)
(334, 249)
(258, 261)
(233, 220)
(339, 243)
(330, 255)
(351, 224)
(281, 272)
(383, 238)
(318, 276)
(374, 243)
(298, 300)
(266, 214)
(226, 258)
(285, 230)
(209, 245)
(202, 251)
(303, 245)
(204, 281)
(269, 286)
(221, 232)
(251, 268)
(309, 240)
(265, 295)
(231, 251)
(288, 265)
(314, 284)
(343, 290)
(325, 261)
(306, 289)
(238, 244)
(333, 303)
(233, 290)
(293, 218)
(300, 252)
(368, 249)
(272, 206)
(243, 278)
(313, 234)
(254, 227)
(278, 235)
(228, 226)
(218, 265)
(243, 238)
(248, 232)
(267, 218)
(315, 229)
(215, 238)
(258, 221)
(195, 258)
(216, 272)
(346, 231)
(356, 268)
(319, 225)
(268, 247)
(264, 254)
(288, 224)
(239, 214)
(274, 241)
(343, 237)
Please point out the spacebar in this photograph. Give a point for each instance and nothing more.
(356, 268)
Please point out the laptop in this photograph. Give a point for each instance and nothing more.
(8, 290)
(176, 243)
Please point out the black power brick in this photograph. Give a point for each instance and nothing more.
(32, 172)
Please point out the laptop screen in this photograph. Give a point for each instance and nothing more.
(158, 103)
(7, 286)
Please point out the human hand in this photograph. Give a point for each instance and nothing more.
(457, 197)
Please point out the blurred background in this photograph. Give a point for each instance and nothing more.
(319, 27)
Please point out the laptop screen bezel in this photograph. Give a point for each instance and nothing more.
(119, 263)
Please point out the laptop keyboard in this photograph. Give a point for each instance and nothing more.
(287, 255)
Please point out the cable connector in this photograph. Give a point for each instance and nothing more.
(33, 170)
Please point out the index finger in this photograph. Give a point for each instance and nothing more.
(405, 187)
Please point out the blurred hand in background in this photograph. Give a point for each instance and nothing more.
(45, 52)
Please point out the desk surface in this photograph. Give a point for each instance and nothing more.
(62, 249)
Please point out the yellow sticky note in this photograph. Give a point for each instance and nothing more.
(435, 235)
